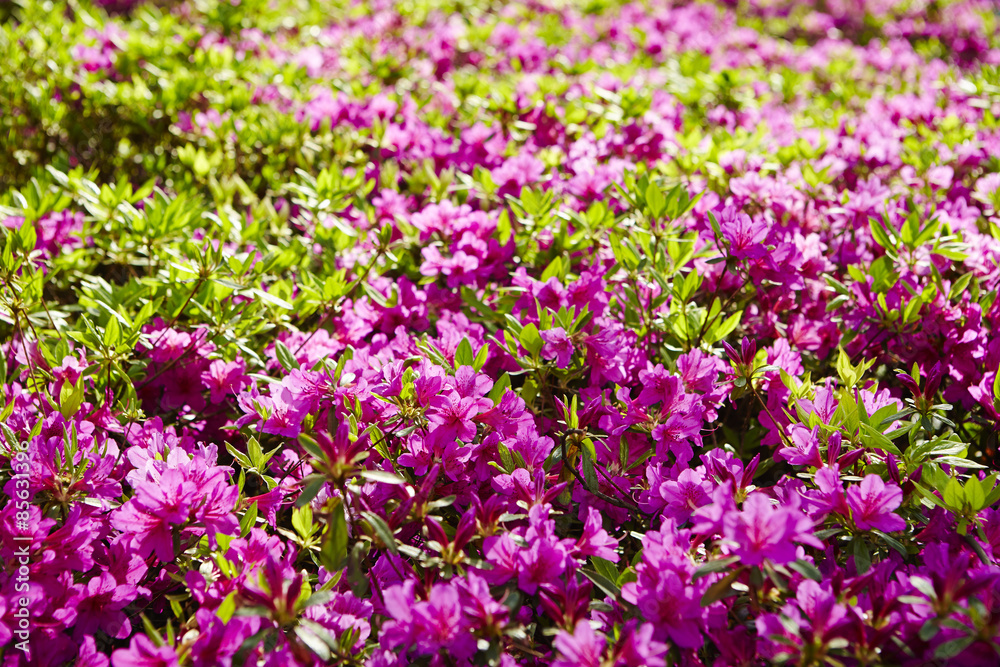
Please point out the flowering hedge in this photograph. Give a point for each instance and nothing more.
(468, 333)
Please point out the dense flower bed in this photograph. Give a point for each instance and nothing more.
(468, 333)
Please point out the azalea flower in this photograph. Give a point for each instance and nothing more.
(873, 503)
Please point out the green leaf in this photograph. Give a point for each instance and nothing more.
(334, 549)
(248, 520)
(313, 642)
(960, 285)
(588, 455)
(952, 648)
(272, 299)
(112, 333)
(713, 566)
(302, 521)
(154, 635)
(959, 462)
(254, 452)
(310, 491)
(992, 496)
(655, 201)
(553, 270)
(827, 533)
(715, 225)
(382, 476)
(954, 494)
(463, 354)
(974, 494)
(996, 389)
(929, 495)
(925, 586)
(531, 340)
(892, 542)
(686, 289)
(227, 607)
(285, 357)
(71, 397)
(845, 370)
(602, 582)
(264, 458)
(719, 331)
(481, 358)
(311, 446)
(902, 414)
(201, 164)
(28, 236)
(912, 311)
(930, 628)
(505, 458)
(721, 588)
(850, 409)
(383, 531)
(239, 456)
(872, 438)
(499, 387)
(605, 568)
(862, 558)
(806, 569)
(504, 229)
(249, 644)
(881, 234)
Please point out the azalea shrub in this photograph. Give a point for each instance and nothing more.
(592, 334)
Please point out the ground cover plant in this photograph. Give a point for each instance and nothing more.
(477, 333)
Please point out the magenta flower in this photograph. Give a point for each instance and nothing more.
(699, 371)
(451, 419)
(344, 613)
(829, 494)
(663, 592)
(399, 602)
(557, 346)
(153, 512)
(447, 517)
(503, 556)
(184, 496)
(685, 494)
(744, 234)
(583, 648)
(595, 541)
(100, 607)
(805, 447)
(659, 386)
(541, 563)
(808, 623)
(437, 624)
(144, 653)
(481, 610)
(873, 503)
(215, 509)
(218, 642)
(442, 625)
(456, 267)
(89, 655)
(224, 378)
(470, 384)
(70, 369)
(279, 411)
(566, 601)
(638, 648)
(743, 358)
(677, 433)
(766, 531)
